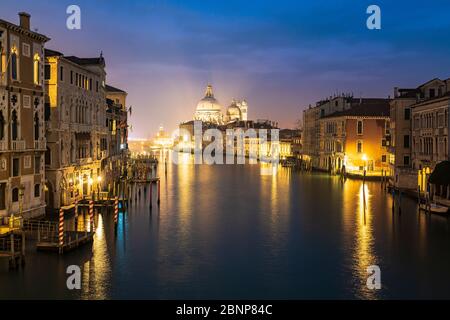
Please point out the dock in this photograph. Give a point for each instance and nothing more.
(12, 247)
(72, 240)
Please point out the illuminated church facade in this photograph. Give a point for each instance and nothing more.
(209, 110)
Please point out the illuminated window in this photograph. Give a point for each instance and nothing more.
(37, 69)
(14, 64)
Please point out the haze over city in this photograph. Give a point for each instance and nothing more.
(280, 57)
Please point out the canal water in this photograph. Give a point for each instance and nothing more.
(229, 232)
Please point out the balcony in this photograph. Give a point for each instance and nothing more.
(83, 161)
(18, 145)
(40, 144)
(3, 145)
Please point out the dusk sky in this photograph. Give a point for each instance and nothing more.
(279, 55)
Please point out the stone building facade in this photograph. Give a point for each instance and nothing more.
(22, 139)
(76, 127)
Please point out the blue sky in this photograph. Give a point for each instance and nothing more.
(279, 55)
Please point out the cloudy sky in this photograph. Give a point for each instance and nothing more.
(279, 55)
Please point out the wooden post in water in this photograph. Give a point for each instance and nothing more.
(76, 214)
(61, 230)
(91, 215)
(13, 258)
(151, 194)
(159, 191)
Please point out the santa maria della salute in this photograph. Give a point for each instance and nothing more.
(209, 109)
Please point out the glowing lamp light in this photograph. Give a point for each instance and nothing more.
(364, 157)
(99, 179)
(90, 181)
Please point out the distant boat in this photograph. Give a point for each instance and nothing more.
(434, 208)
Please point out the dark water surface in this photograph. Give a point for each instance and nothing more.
(229, 232)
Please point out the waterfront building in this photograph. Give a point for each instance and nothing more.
(313, 149)
(401, 173)
(237, 111)
(430, 122)
(115, 146)
(22, 138)
(75, 127)
(355, 140)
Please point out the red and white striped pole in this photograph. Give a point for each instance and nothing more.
(91, 215)
(61, 228)
(116, 209)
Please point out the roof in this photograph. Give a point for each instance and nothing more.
(10, 25)
(109, 88)
(371, 109)
(86, 61)
(52, 53)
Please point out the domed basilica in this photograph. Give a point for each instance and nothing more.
(209, 110)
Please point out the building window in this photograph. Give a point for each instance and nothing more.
(37, 190)
(37, 164)
(14, 64)
(2, 126)
(37, 69)
(26, 101)
(359, 146)
(432, 93)
(48, 157)
(96, 86)
(383, 158)
(36, 126)
(71, 77)
(406, 160)
(2, 196)
(27, 162)
(61, 73)
(359, 127)
(26, 49)
(406, 141)
(14, 125)
(15, 167)
(15, 195)
(407, 113)
(47, 73)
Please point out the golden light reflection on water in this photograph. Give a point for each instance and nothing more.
(358, 231)
(97, 270)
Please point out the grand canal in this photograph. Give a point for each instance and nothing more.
(229, 232)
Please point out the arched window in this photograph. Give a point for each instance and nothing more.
(48, 157)
(2, 126)
(36, 126)
(14, 64)
(14, 126)
(37, 69)
(37, 190)
(15, 194)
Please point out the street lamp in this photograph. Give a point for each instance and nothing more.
(364, 158)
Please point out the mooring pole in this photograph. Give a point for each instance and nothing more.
(91, 215)
(116, 210)
(159, 191)
(61, 230)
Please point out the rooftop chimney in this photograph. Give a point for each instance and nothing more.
(24, 20)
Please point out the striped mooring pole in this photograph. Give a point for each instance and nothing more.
(116, 209)
(91, 215)
(61, 228)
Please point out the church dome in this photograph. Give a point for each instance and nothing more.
(209, 103)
